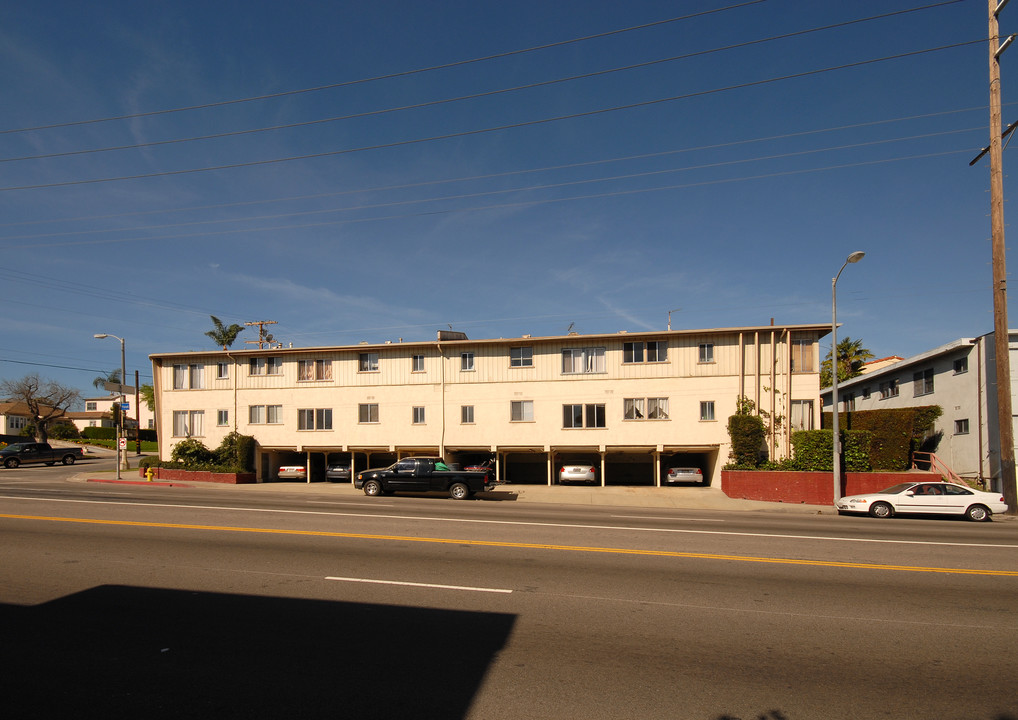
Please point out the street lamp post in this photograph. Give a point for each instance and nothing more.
(853, 258)
(121, 460)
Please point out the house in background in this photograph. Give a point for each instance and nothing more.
(960, 377)
(14, 417)
(98, 412)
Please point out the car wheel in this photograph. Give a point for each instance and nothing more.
(68, 460)
(459, 491)
(11, 462)
(373, 488)
(977, 513)
(881, 510)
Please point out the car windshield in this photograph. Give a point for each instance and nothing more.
(900, 488)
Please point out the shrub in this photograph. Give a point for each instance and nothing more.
(236, 451)
(747, 433)
(64, 431)
(192, 454)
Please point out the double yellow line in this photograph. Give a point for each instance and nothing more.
(523, 546)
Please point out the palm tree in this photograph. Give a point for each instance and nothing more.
(223, 335)
(113, 376)
(851, 357)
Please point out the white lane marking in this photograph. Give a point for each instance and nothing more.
(521, 523)
(420, 585)
(350, 504)
(652, 517)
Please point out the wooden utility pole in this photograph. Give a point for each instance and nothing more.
(1000, 327)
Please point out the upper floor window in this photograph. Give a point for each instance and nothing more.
(265, 366)
(91, 405)
(645, 409)
(223, 371)
(638, 352)
(368, 362)
(961, 427)
(222, 417)
(417, 363)
(583, 416)
(961, 365)
(418, 415)
(707, 410)
(367, 413)
(802, 356)
(466, 361)
(802, 415)
(467, 414)
(521, 357)
(583, 360)
(706, 352)
(314, 370)
(262, 414)
(922, 382)
(188, 377)
(889, 389)
(188, 423)
(314, 419)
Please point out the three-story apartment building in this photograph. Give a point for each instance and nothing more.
(631, 404)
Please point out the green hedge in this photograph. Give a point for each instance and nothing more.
(108, 433)
(895, 433)
(236, 453)
(747, 433)
(813, 450)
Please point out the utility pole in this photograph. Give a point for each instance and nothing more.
(1000, 326)
(263, 337)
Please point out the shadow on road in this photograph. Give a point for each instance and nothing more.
(125, 651)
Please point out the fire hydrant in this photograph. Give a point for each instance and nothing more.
(149, 474)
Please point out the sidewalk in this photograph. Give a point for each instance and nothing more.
(693, 498)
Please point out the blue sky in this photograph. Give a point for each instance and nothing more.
(460, 163)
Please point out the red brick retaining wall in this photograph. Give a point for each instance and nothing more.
(199, 476)
(809, 488)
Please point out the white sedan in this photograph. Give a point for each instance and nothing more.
(926, 498)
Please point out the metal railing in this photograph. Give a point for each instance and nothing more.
(935, 464)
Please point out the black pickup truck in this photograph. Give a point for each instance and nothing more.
(26, 453)
(418, 474)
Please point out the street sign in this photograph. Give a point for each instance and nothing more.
(122, 389)
(122, 443)
(125, 406)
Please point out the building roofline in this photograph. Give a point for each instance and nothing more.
(821, 328)
(895, 367)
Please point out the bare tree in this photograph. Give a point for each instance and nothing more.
(45, 400)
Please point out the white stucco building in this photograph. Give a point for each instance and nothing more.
(629, 403)
(960, 377)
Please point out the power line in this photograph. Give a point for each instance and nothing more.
(389, 76)
(510, 126)
(474, 96)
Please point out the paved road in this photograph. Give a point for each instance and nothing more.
(317, 603)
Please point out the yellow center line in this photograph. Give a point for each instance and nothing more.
(524, 546)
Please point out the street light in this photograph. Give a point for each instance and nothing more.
(853, 258)
(123, 381)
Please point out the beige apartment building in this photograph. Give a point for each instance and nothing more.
(629, 404)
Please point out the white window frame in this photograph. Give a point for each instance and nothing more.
(367, 414)
(522, 356)
(466, 414)
(188, 423)
(961, 426)
(317, 370)
(91, 406)
(417, 415)
(707, 411)
(367, 362)
(801, 415)
(922, 382)
(706, 353)
(586, 416)
(466, 362)
(189, 377)
(268, 365)
(314, 419)
(589, 360)
(417, 363)
(222, 418)
(802, 356)
(222, 371)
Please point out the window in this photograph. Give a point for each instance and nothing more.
(706, 353)
(368, 362)
(367, 413)
(521, 411)
(91, 406)
(802, 415)
(467, 414)
(922, 382)
(866, 393)
(222, 371)
(632, 352)
(467, 361)
(417, 363)
(188, 377)
(632, 409)
(583, 416)
(802, 356)
(222, 417)
(188, 423)
(583, 360)
(706, 409)
(265, 366)
(521, 357)
(657, 408)
(262, 414)
(888, 389)
(638, 352)
(314, 370)
(645, 409)
(418, 415)
(314, 419)
(961, 365)
(961, 427)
